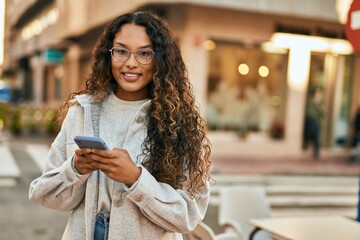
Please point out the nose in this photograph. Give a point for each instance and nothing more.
(131, 62)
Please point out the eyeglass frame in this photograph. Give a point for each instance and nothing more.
(130, 52)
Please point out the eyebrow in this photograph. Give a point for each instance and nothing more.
(125, 46)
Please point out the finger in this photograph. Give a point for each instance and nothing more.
(92, 157)
(82, 151)
(103, 153)
(82, 158)
(113, 153)
(99, 165)
(83, 167)
(120, 151)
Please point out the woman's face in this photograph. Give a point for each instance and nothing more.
(132, 77)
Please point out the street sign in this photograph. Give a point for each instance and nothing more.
(352, 26)
(51, 55)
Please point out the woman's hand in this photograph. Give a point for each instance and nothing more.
(116, 164)
(82, 163)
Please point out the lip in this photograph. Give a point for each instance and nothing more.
(131, 76)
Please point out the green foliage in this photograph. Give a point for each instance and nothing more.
(15, 121)
(50, 121)
(4, 113)
(26, 119)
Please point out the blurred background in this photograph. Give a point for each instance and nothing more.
(252, 63)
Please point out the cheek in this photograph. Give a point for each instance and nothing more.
(150, 71)
(114, 68)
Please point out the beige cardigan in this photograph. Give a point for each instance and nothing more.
(150, 210)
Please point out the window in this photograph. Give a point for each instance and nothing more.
(246, 90)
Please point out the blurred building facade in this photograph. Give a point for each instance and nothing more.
(252, 63)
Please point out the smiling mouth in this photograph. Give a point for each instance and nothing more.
(131, 76)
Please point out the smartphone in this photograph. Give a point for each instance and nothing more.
(90, 142)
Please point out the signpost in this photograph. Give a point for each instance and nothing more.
(352, 26)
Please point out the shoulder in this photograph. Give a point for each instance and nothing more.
(75, 112)
(83, 100)
(80, 102)
(77, 106)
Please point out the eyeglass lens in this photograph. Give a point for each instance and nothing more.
(143, 56)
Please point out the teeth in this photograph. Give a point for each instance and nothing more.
(131, 74)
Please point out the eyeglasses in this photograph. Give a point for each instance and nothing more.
(143, 56)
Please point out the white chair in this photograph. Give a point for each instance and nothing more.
(240, 203)
(204, 232)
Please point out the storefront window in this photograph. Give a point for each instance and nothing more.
(246, 90)
(343, 121)
(333, 74)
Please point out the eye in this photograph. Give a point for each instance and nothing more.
(121, 51)
(144, 53)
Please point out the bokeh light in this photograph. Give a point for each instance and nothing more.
(243, 69)
(263, 71)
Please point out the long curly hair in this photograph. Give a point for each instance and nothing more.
(176, 149)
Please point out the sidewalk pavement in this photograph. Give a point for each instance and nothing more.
(331, 165)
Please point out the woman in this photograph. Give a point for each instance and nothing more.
(153, 183)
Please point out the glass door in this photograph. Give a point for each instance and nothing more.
(332, 74)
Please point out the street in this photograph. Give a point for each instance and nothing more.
(20, 218)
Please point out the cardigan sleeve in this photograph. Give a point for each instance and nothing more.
(60, 187)
(172, 209)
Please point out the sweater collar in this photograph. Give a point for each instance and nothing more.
(85, 100)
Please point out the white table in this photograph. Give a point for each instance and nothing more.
(309, 228)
